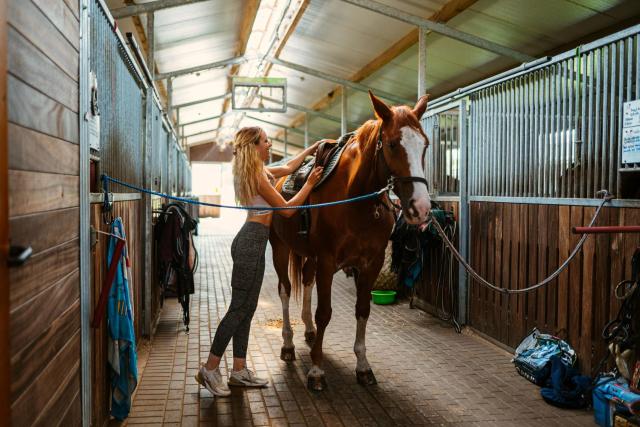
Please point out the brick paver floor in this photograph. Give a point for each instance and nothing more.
(427, 374)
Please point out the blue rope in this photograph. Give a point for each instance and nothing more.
(106, 178)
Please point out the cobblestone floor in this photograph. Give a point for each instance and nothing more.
(427, 374)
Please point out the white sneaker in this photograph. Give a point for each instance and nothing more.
(246, 378)
(212, 381)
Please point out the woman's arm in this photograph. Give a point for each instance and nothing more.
(275, 199)
(293, 164)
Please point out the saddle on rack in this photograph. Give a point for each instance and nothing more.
(327, 155)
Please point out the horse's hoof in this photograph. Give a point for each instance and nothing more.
(288, 354)
(316, 383)
(366, 377)
(310, 337)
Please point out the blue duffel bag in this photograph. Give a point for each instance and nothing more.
(533, 356)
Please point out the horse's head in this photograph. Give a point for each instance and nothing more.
(403, 144)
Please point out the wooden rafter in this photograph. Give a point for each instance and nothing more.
(448, 11)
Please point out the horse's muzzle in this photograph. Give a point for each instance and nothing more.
(417, 210)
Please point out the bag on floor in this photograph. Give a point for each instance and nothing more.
(533, 356)
(567, 388)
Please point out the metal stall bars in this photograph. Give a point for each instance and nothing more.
(121, 92)
(446, 170)
(552, 128)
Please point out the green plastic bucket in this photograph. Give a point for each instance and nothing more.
(383, 297)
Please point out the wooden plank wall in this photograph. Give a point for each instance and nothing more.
(43, 134)
(5, 364)
(427, 288)
(513, 245)
(130, 212)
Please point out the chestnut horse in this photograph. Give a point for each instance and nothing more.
(352, 236)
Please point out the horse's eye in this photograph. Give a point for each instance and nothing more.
(392, 145)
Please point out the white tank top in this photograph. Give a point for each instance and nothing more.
(257, 200)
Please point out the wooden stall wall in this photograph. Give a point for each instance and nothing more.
(432, 290)
(5, 364)
(514, 245)
(130, 212)
(43, 135)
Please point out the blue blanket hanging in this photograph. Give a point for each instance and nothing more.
(122, 341)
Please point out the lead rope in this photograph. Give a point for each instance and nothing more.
(606, 198)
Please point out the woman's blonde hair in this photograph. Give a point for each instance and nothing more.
(247, 165)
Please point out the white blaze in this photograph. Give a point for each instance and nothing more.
(413, 143)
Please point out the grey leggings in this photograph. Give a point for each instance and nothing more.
(248, 253)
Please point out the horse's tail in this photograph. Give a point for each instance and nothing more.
(295, 273)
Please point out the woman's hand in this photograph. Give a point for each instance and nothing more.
(315, 146)
(315, 175)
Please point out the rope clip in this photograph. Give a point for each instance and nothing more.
(604, 194)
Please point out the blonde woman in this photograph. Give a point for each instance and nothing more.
(254, 186)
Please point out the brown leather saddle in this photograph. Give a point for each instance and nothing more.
(327, 155)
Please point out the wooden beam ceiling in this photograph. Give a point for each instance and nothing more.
(448, 11)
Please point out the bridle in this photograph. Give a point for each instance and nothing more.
(392, 178)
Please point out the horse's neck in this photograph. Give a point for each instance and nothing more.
(371, 173)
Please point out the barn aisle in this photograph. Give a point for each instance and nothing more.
(427, 373)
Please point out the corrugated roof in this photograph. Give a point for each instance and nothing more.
(350, 42)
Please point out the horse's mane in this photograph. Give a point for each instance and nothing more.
(368, 132)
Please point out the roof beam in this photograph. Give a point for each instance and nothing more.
(447, 12)
(138, 9)
(442, 29)
(200, 133)
(218, 64)
(217, 116)
(310, 111)
(202, 101)
(294, 130)
(338, 80)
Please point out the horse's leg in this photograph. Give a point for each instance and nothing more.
(364, 283)
(308, 279)
(324, 278)
(281, 263)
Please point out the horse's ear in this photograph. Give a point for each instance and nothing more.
(421, 106)
(381, 109)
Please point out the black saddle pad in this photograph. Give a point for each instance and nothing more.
(296, 180)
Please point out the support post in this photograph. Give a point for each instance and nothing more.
(84, 214)
(463, 282)
(178, 127)
(343, 123)
(170, 100)
(286, 141)
(306, 130)
(147, 250)
(422, 62)
(151, 44)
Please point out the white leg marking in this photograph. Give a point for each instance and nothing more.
(315, 371)
(287, 332)
(307, 317)
(359, 348)
(413, 143)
